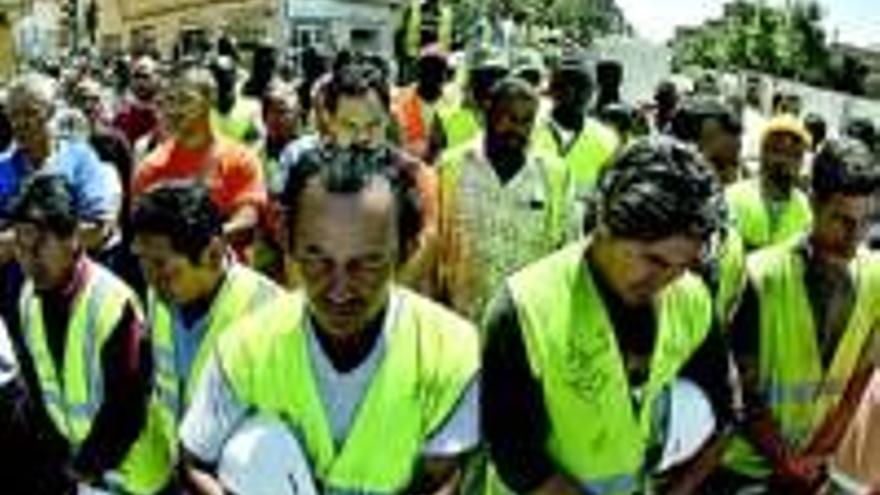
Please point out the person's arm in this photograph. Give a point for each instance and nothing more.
(245, 190)
(196, 476)
(830, 434)
(514, 418)
(758, 422)
(418, 269)
(212, 417)
(449, 447)
(709, 368)
(126, 364)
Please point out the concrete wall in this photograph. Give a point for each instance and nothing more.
(646, 64)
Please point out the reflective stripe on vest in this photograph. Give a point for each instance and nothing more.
(572, 351)
(414, 29)
(752, 218)
(431, 358)
(244, 292)
(792, 381)
(74, 397)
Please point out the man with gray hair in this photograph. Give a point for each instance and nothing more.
(45, 143)
(34, 109)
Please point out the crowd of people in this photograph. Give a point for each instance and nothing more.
(496, 278)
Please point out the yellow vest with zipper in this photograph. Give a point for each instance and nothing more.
(573, 353)
(431, 358)
(74, 395)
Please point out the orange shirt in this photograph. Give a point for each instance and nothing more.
(231, 171)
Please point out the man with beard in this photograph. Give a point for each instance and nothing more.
(584, 347)
(585, 144)
(769, 208)
(502, 204)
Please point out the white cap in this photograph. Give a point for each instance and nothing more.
(690, 423)
(264, 458)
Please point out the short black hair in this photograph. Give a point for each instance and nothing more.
(862, 129)
(817, 127)
(350, 172)
(620, 116)
(183, 212)
(51, 198)
(657, 188)
(355, 75)
(844, 166)
(509, 89)
(695, 112)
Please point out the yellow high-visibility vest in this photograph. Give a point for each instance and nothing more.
(74, 394)
(431, 358)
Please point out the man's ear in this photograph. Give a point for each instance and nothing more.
(408, 248)
(214, 253)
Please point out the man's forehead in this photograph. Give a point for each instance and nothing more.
(374, 195)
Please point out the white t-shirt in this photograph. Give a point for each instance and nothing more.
(8, 363)
(216, 412)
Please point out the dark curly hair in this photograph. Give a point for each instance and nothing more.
(183, 212)
(355, 74)
(47, 199)
(658, 188)
(845, 166)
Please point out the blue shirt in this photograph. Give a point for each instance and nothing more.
(187, 342)
(14, 170)
(289, 158)
(96, 186)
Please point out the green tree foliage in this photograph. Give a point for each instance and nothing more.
(580, 20)
(786, 41)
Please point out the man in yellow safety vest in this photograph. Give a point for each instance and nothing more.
(86, 345)
(802, 334)
(585, 346)
(197, 292)
(376, 383)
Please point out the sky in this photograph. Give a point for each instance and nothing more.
(853, 21)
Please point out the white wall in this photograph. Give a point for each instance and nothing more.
(645, 64)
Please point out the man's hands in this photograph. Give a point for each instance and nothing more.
(800, 474)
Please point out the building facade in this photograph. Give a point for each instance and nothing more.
(163, 25)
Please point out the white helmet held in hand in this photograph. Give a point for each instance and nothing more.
(689, 423)
(263, 457)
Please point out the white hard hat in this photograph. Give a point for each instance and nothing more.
(83, 489)
(689, 423)
(846, 484)
(264, 458)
